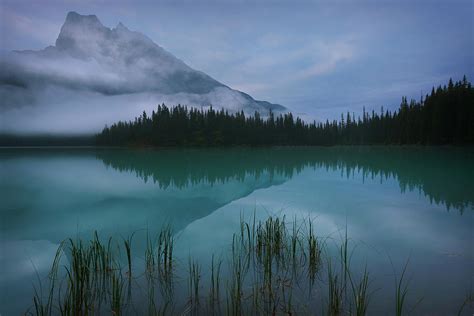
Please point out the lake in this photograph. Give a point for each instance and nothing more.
(397, 204)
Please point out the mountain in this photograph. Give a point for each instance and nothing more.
(95, 75)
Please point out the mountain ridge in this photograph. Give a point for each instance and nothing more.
(90, 59)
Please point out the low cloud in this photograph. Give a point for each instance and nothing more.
(331, 56)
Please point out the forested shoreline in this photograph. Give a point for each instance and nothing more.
(445, 116)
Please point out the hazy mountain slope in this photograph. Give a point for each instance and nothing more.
(96, 75)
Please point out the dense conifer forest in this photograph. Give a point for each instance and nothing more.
(445, 116)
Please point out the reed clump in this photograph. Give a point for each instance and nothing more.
(273, 267)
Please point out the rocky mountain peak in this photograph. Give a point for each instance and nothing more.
(79, 29)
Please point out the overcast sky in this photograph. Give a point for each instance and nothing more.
(318, 58)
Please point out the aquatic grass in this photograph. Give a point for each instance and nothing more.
(151, 296)
(281, 254)
(165, 251)
(235, 284)
(294, 241)
(45, 308)
(247, 236)
(272, 243)
(360, 293)
(128, 245)
(165, 260)
(288, 305)
(335, 292)
(149, 256)
(401, 290)
(87, 276)
(159, 260)
(345, 259)
(116, 296)
(269, 265)
(214, 291)
(194, 270)
(314, 254)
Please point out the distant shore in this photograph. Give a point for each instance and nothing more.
(89, 141)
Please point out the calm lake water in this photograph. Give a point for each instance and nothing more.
(397, 204)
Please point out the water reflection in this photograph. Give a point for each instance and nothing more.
(51, 194)
(444, 175)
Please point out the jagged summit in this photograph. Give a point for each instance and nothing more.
(73, 18)
(89, 57)
(76, 23)
(85, 37)
(77, 29)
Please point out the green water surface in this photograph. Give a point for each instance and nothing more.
(397, 203)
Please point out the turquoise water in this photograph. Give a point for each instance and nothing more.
(397, 204)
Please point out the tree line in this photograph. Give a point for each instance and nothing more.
(445, 116)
